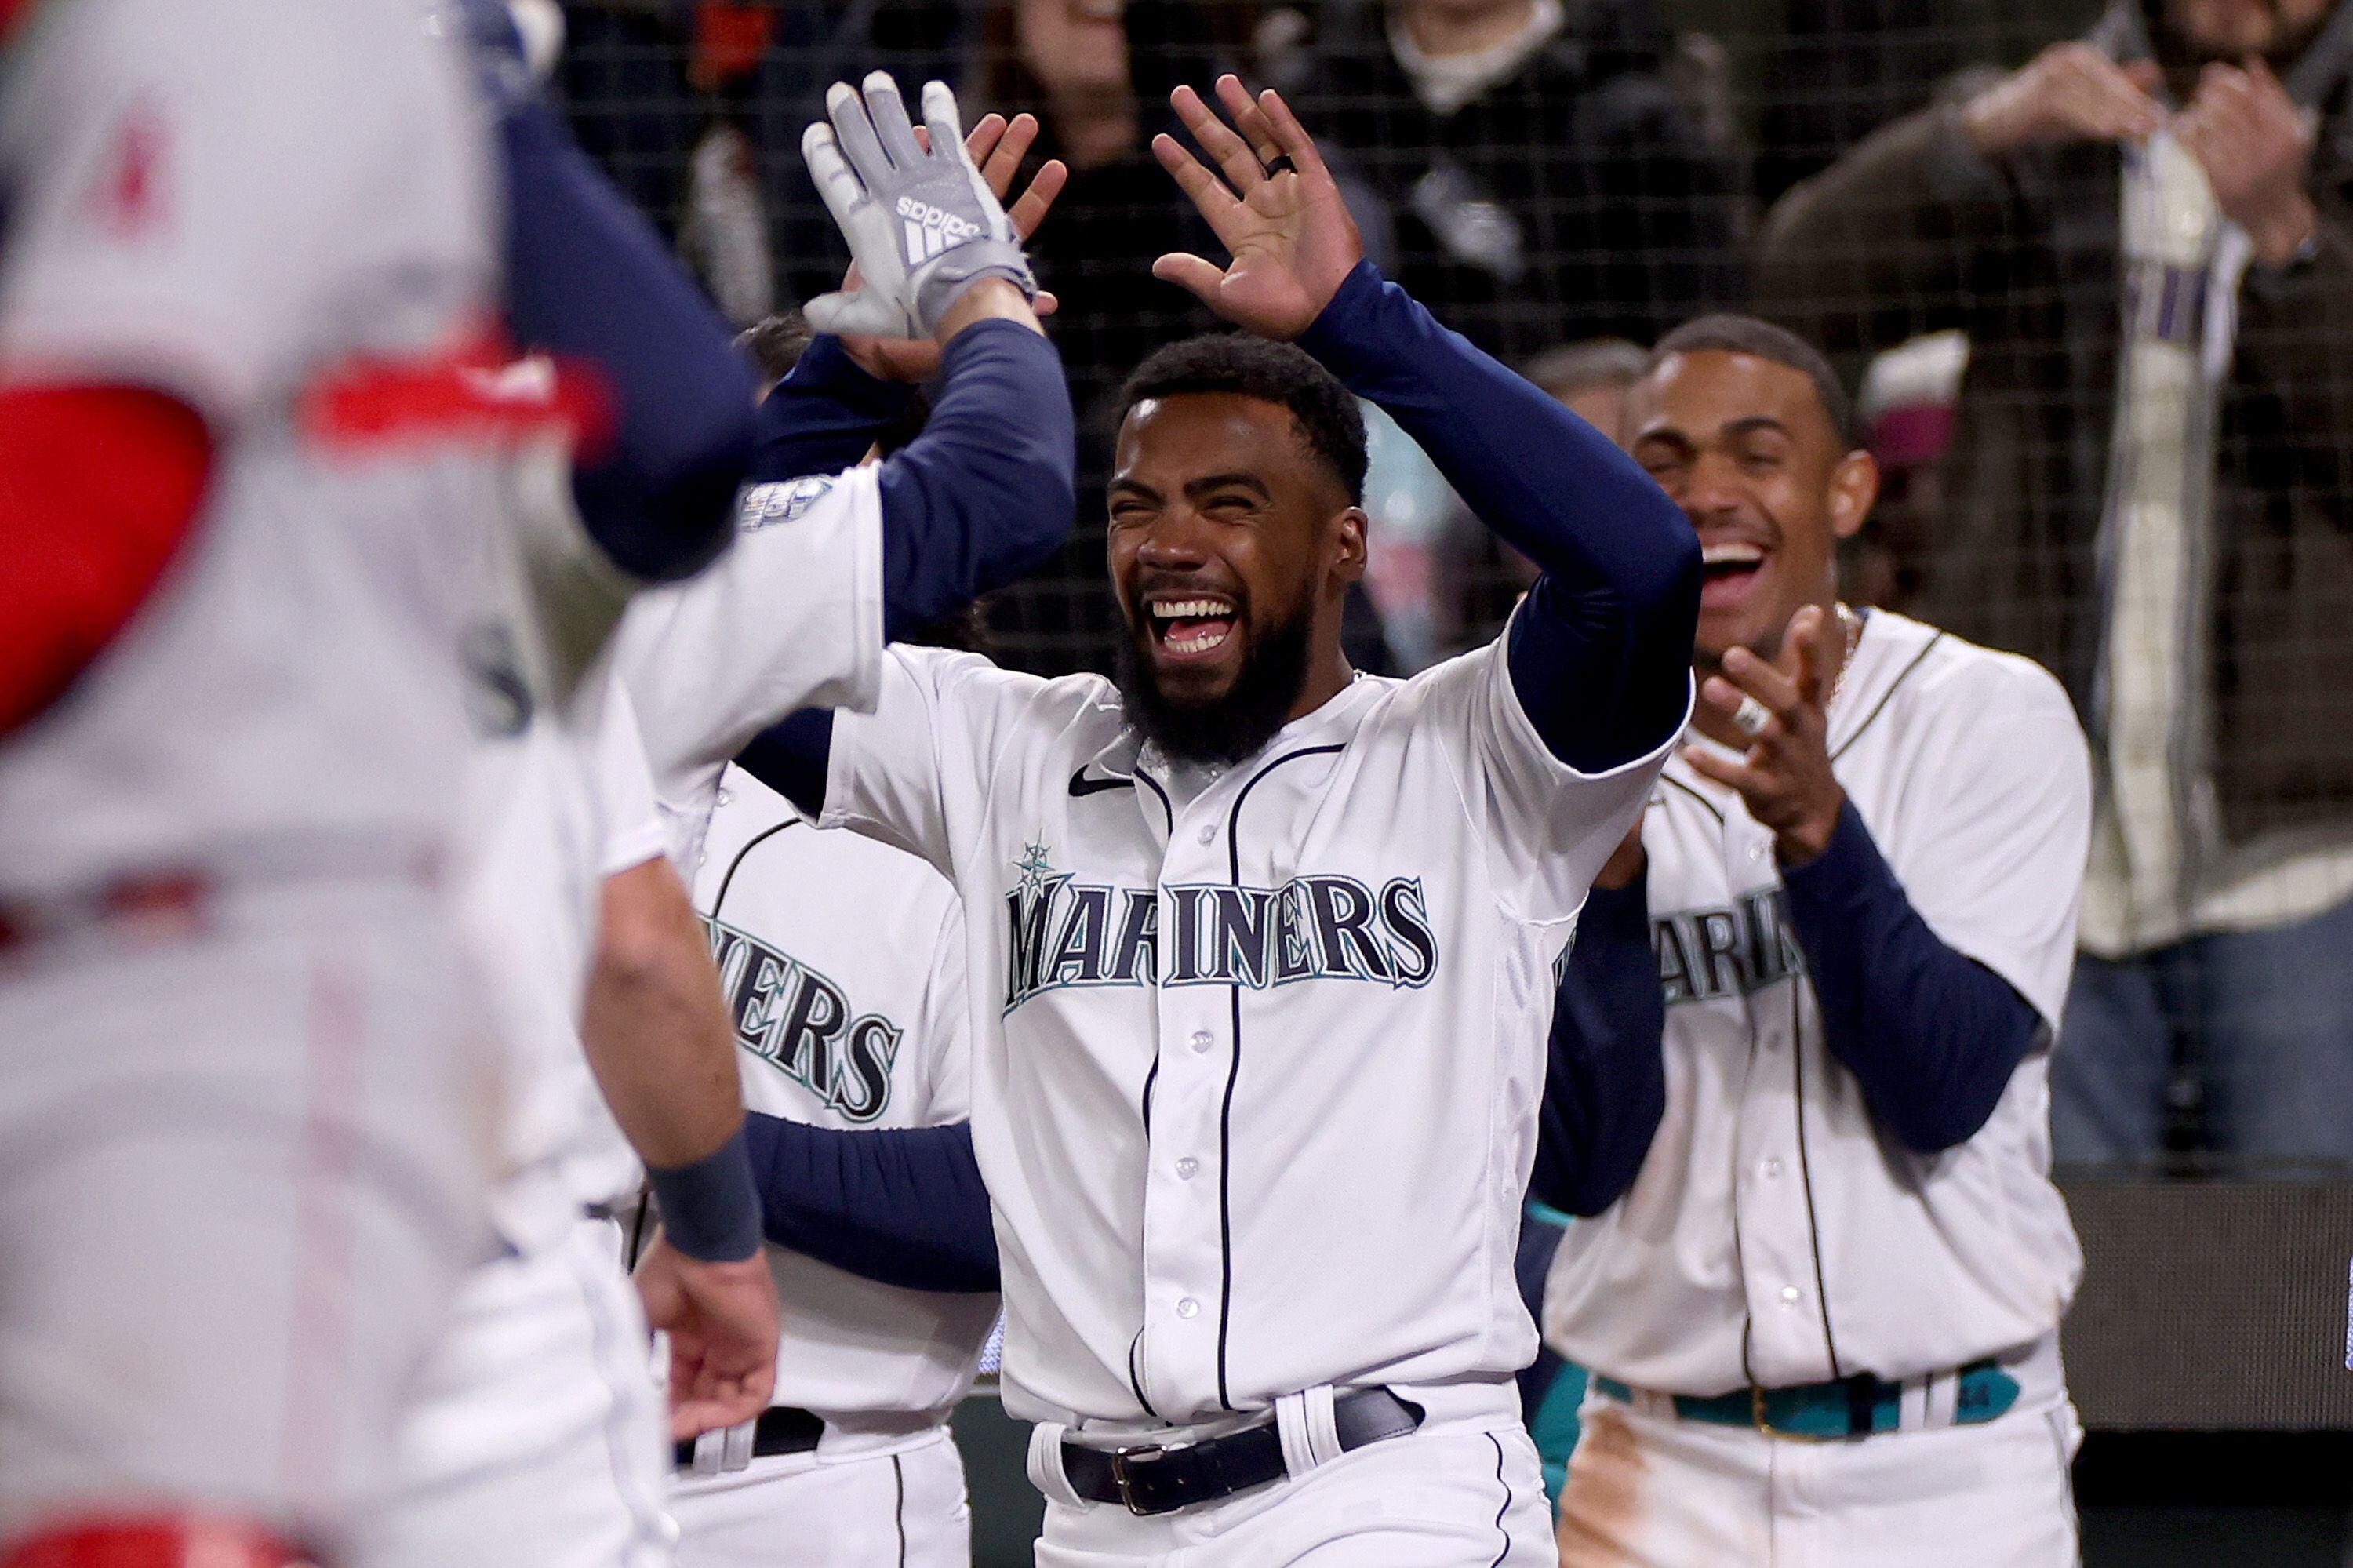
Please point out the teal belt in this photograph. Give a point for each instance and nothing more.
(1849, 1407)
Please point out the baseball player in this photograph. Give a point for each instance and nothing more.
(1228, 919)
(539, 1436)
(242, 1049)
(1822, 1324)
(843, 960)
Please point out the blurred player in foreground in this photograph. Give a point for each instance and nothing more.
(1227, 919)
(1822, 1325)
(539, 1436)
(248, 261)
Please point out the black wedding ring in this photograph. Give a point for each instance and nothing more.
(1281, 164)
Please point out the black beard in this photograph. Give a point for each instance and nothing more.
(1229, 728)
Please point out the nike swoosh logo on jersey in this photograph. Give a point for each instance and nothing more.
(1082, 785)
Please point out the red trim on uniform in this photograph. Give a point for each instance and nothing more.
(99, 488)
(477, 392)
(11, 13)
(159, 1541)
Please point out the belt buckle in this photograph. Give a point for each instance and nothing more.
(1764, 1423)
(1122, 1461)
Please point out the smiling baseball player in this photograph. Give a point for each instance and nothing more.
(1227, 920)
(1822, 1324)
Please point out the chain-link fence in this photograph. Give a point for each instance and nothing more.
(2105, 378)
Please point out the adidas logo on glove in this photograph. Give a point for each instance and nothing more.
(931, 230)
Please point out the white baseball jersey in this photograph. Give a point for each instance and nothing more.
(272, 210)
(790, 617)
(1257, 1055)
(1773, 1215)
(558, 808)
(843, 964)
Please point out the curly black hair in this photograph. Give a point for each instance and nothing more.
(1324, 411)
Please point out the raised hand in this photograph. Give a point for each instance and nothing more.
(2068, 92)
(2256, 147)
(997, 148)
(1786, 777)
(923, 225)
(1291, 240)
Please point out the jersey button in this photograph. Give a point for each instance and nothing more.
(1209, 835)
(1187, 1168)
(1201, 1041)
(1188, 1308)
(723, 797)
(1769, 1168)
(1789, 1295)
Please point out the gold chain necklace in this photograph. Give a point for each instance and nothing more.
(1849, 637)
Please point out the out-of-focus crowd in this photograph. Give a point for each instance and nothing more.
(2097, 307)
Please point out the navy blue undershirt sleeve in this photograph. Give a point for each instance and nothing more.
(1931, 1034)
(1601, 655)
(791, 756)
(822, 417)
(1606, 1075)
(902, 1206)
(981, 497)
(590, 280)
(986, 493)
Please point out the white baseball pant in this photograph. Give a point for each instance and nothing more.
(900, 1507)
(539, 1440)
(243, 1144)
(1466, 1492)
(1650, 1489)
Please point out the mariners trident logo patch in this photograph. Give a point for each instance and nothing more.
(930, 230)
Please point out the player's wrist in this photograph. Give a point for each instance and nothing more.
(987, 299)
(1808, 838)
(710, 1207)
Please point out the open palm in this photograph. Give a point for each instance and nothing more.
(1290, 238)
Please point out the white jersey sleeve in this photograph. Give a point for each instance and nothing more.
(790, 617)
(1998, 825)
(625, 790)
(945, 1023)
(1549, 827)
(913, 772)
(177, 171)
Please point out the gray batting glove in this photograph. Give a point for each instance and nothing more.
(922, 227)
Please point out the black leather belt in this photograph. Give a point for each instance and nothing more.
(781, 1429)
(1151, 1478)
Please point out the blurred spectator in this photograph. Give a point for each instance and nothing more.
(1906, 411)
(2147, 492)
(1844, 68)
(1591, 378)
(1544, 181)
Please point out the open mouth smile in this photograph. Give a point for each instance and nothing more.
(1729, 569)
(1192, 626)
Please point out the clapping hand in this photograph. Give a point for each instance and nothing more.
(1784, 779)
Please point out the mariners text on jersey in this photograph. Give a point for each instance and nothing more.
(802, 1024)
(1068, 933)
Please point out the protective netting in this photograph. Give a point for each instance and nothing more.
(2114, 438)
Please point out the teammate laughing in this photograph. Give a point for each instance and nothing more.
(1822, 1323)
